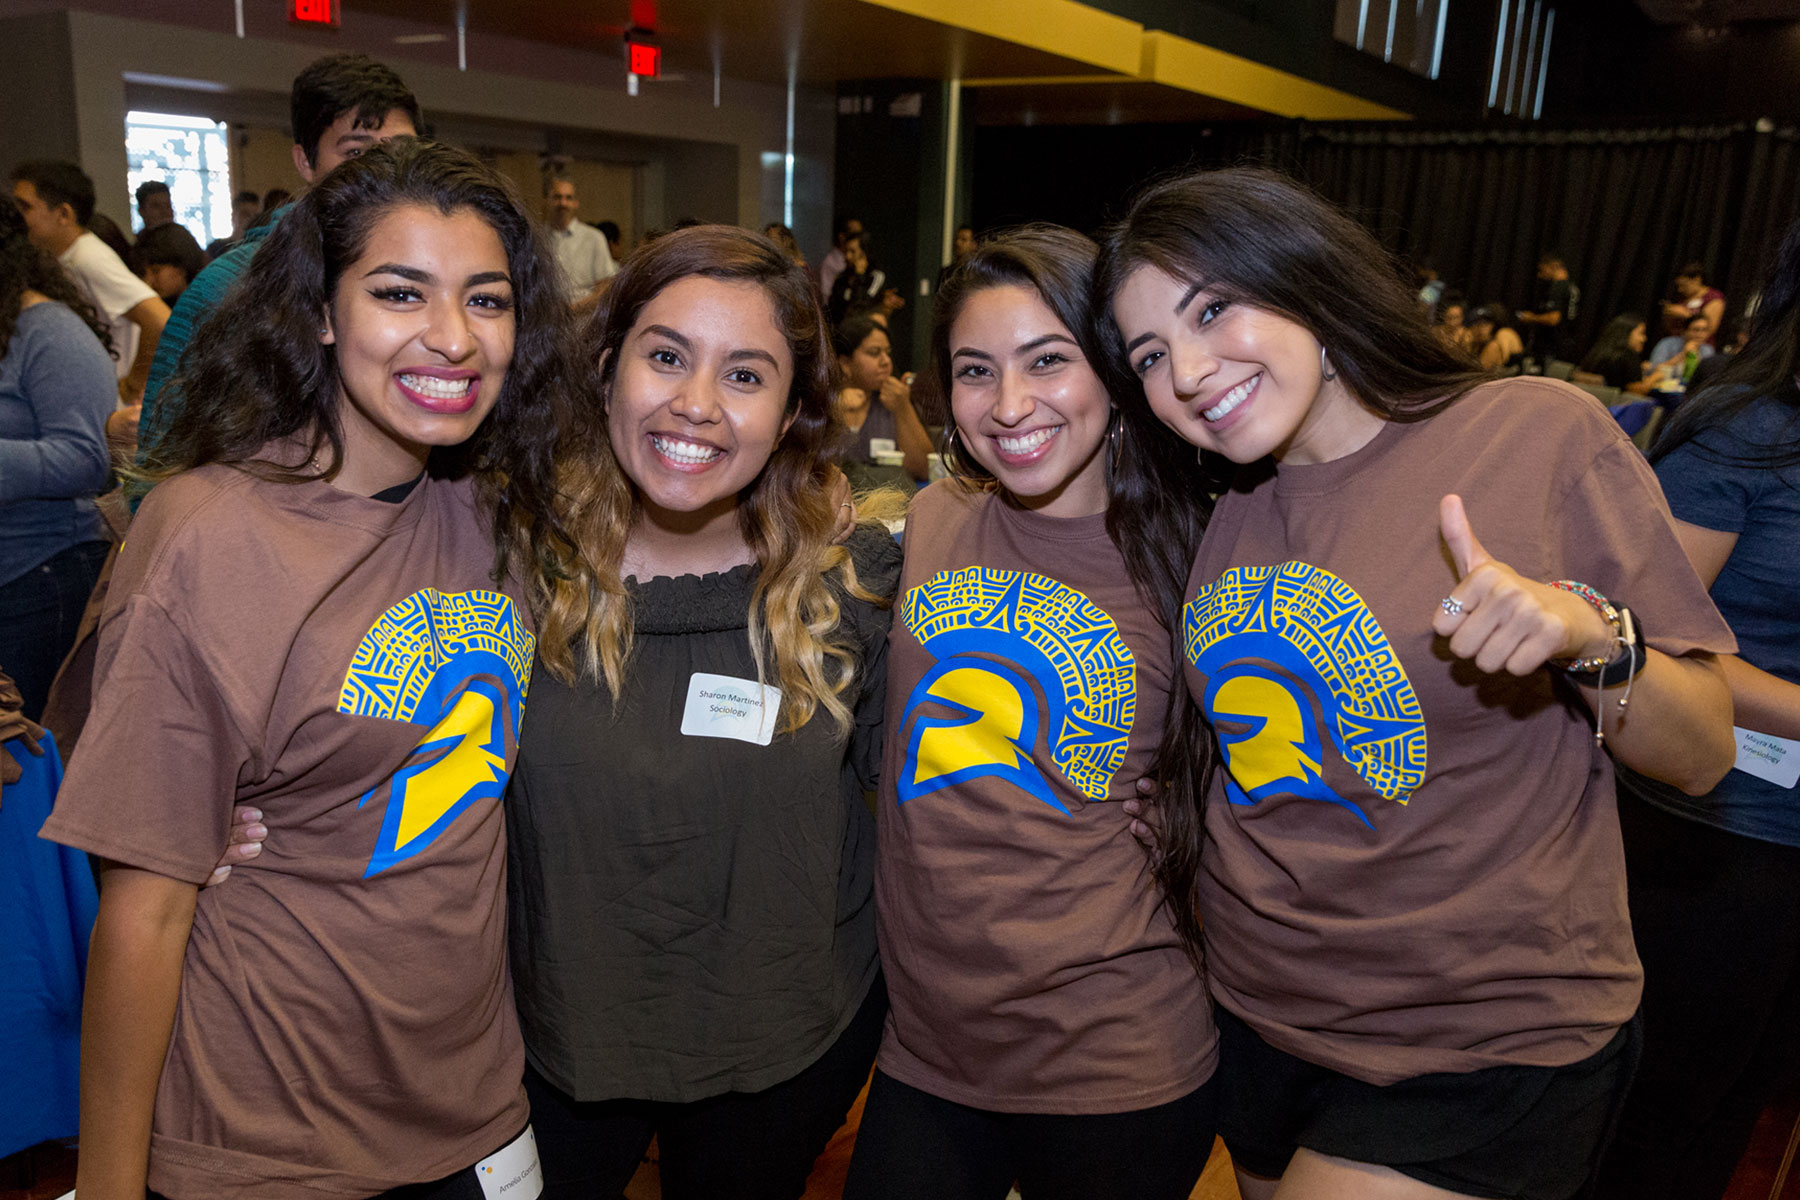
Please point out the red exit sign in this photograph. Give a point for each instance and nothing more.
(645, 59)
(313, 12)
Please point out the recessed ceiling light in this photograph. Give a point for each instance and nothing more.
(420, 39)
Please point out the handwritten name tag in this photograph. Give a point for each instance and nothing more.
(1768, 757)
(723, 707)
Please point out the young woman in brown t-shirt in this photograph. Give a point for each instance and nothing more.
(306, 621)
(1410, 880)
(1047, 1026)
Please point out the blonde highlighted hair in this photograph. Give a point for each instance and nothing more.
(787, 516)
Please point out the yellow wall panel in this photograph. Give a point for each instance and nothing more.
(1178, 62)
(1062, 27)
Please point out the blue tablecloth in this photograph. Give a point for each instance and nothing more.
(47, 908)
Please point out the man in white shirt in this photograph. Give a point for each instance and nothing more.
(580, 248)
(57, 201)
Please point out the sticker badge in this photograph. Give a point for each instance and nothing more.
(722, 707)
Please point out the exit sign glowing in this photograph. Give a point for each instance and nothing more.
(644, 59)
(313, 12)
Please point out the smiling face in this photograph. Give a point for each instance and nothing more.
(422, 325)
(869, 367)
(1636, 338)
(699, 398)
(1027, 404)
(1235, 379)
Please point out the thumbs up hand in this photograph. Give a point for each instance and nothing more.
(1503, 620)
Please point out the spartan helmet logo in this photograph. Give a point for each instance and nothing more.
(1022, 662)
(1293, 661)
(460, 664)
(1268, 717)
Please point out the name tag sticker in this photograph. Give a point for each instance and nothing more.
(512, 1172)
(1768, 757)
(723, 707)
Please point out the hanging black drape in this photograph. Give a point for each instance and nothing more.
(1625, 207)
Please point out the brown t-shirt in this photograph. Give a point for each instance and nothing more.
(1413, 867)
(1030, 965)
(346, 1022)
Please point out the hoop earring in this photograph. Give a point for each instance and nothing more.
(951, 449)
(1325, 370)
(1115, 437)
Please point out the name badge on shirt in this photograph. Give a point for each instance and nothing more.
(723, 707)
(513, 1171)
(1768, 757)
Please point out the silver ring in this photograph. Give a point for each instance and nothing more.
(1452, 605)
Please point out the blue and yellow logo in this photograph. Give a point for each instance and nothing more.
(1017, 655)
(1292, 655)
(462, 664)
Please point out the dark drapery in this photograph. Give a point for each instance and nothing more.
(1625, 207)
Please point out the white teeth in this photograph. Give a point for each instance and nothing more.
(684, 452)
(437, 389)
(1028, 443)
(1233, 398)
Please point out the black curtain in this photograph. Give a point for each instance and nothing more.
(1625, 207)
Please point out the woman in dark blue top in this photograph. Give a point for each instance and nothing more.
(57, 386)
(1713, 898)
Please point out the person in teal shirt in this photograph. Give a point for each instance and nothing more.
(340, 106)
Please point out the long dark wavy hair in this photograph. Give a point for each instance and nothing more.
(256, 372)
(1612, 349)
(1256, 237)
(1765, 369)
(1157, 502)
(23, 268)
(786, 515)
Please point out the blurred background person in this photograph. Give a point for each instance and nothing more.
(581, 249)
(835, 260)
(57, 388)
(1547, 325)
(1617, 359)
(154, 205)
(245, 208)
(871, 402)
(782, 236)
(1493, 340)
(167, 258)
(1695, 297)
(57, 202)
(1711, 877)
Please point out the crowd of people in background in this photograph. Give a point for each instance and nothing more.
(1631, 355)
(1144, 853)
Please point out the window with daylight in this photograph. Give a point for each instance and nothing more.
(190, 155)
(1407, 33)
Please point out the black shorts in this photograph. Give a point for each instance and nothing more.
(1509, 1133)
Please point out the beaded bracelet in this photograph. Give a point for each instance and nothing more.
(1628, 651)
(1587, 666)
